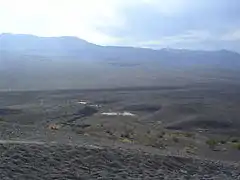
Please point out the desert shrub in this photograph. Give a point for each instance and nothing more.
(211, 142)
(80, 131)
(222, 141)
(234, 140)
(192, 146)
(190, 150)
(161, 135)
(109, 132)
(188, 134)
(126, 140)
(127, 134)
(157, 144)
(236, 145)
(175, 139)
(54, 127)
(154, 142)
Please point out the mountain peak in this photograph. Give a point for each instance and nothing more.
(25, 42)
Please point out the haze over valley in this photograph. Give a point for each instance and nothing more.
(119, 89)
(30, 62)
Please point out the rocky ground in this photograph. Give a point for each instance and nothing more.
(180, 133)
(42, 161)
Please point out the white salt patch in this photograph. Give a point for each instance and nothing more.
(95, 105)
(82, 102)
(110, 113)
(127, 114)
(118, 114)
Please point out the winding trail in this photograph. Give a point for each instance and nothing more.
(90, 146)
(23, 142)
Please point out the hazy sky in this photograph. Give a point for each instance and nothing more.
(197, 24)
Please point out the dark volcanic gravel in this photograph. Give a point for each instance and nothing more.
(35, 161)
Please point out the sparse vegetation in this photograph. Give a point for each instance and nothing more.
(175, 139)
(183, 134)
(223, 141)
(153, 139)
(54, 127)
(153, 142)
(80, 131)
(143, 133)
(128, 133)
(190, 149)
(234, 140)
(211, 143)
(189, 134)
(236, 145)
(161, 135)
(109, 132)
(126, 140)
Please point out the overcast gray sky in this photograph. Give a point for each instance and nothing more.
(192, 24)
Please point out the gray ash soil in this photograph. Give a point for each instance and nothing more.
(190, 132)
(34, 161)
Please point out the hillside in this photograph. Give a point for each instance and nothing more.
(29, 62)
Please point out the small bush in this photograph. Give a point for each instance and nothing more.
(234, 140)
(211, 142)
(1, 119)
(192, 146)
(154, 143)
(150, 140)
(190, 150)
(236, 145)
(175, 139)
(80, 131)
(109, 132)
(125, 140)
(222, 141)
(54, 126)
(161, 135)
(127, 134)
(189, 134)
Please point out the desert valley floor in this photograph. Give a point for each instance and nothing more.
(183, 132)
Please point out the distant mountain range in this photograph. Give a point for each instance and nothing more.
(30, 62)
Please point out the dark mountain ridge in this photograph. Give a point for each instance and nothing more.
(32, 62)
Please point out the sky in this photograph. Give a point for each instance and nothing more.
(185, 24)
